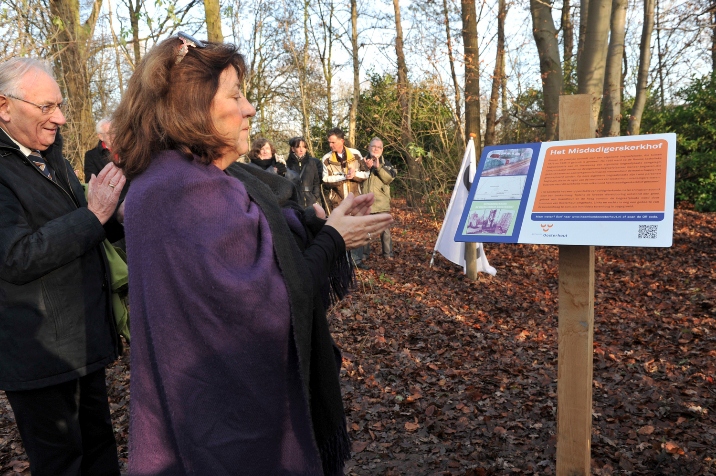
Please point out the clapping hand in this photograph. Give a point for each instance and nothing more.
(352, 219)
(103, 192)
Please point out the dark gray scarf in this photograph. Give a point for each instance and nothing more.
(319, 358)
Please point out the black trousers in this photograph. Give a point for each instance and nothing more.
(66, 428)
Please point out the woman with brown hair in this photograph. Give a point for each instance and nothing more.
(233, 367)
(263, 155)
(304, 171)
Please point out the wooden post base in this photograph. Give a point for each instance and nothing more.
(576, 322)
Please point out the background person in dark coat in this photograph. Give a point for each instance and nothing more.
(97, 158)
(57, 330)
(263, 155)
(305, 172)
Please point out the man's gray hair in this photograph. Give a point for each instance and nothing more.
(376, 139)
(101, 123)
(13, 70)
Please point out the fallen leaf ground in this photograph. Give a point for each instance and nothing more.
(445, 376)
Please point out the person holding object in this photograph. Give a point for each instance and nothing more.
(57, 329)
(233, 366)
(343, 173)
(381, 176)
(343, 168)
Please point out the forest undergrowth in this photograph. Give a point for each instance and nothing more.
(446, 376)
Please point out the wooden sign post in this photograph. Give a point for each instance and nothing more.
(576, 321)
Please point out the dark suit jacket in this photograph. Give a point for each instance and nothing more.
(56, 320)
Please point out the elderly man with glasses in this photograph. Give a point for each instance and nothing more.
(57, 330)
(381, 175)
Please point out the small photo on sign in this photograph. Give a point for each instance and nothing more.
(491, 218)
(507, 162)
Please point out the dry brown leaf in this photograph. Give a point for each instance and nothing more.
(646, 430)
(672, 448)
(19, 466)
(359, 446)
(410, 426)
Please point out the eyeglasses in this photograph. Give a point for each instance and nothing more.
(187, 41)
(46, 109)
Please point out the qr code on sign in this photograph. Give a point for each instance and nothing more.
(648, 231)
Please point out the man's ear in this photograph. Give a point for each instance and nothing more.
(4, 108)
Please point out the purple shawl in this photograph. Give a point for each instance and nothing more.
(215, 385)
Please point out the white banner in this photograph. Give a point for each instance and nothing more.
(446, 244)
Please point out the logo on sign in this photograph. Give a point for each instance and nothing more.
(546, 228)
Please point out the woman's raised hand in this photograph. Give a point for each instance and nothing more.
(352, 219)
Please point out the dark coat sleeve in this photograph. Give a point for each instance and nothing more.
(323, 251)
(26, 255)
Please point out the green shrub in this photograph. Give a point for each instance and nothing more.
(694, 122)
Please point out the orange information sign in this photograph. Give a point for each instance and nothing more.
(619, 176)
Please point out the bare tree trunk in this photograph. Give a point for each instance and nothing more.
(713, 37)
(583, 18)
(329, 66)
(134, 7)
(353, 113)
(497, 76)
(625, 69)
(643, 74)
(472, 73)
(545, 35)
(115, 41)
(325, 53)
(455, 83)
(567, 28)
(472, 104)
(300, 60)
(406, 132)
(212, 11)
(505, 112)
(660, 54)
(305, 109)
(590, 70)
(612, 101)
(73, 47)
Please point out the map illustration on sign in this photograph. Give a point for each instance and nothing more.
(501, 188)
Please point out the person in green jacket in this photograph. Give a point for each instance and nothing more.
(381, 175)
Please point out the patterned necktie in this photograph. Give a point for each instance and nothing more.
(41, 164)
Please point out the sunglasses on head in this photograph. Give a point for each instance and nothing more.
(187, 41)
